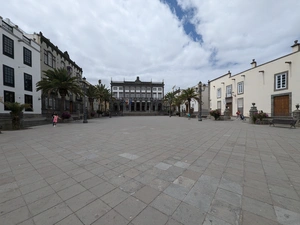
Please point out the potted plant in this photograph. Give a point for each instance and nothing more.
(297, 106)
(65, 115)
(215, 113)
(16, 112)
(259, 116)
(99, 112)
(93, 113)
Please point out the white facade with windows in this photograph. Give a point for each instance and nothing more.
(273, 86)
(20, 68)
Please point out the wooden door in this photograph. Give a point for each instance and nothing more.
(71, 107)
(281, 105)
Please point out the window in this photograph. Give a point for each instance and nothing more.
(28, 100)
(49, 59)
(154, 89)
(120, 88)
(148, 89)
(219, 105)
(138, 95)
(219, 93)
(126, 88)
(240, 88)
(115, 88)
(69, 69)
(50, 56)
(159, 95)
(8, 46)
(229, 91)
(138, 89)
(8, 97)
(27, 82)
(63, 65)
(27, 56)
(8, 76)
(281, 81)
(45, 57)
(159, 89)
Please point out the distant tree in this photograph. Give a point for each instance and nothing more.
(188, 95)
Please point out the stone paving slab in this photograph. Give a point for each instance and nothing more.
(150, 170)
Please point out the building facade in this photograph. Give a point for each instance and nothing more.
(20, 68)
(272, 86)
(137, 96)
(51, 57)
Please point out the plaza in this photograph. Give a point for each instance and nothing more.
(154, 170)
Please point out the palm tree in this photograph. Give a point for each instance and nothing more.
(100, 89)
(91, 93)
(189, 94)
(106, 97)
(177, 102)
(59, 81)
(169, 98)
(16, 112)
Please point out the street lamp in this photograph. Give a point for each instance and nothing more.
(84, 101)
(200, 90)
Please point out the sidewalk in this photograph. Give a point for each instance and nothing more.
(150, 171)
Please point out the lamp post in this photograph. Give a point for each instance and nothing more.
(84, 101)
(200, 90)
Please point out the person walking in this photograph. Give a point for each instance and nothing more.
(55, 118)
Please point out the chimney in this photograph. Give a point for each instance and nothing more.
(253, 64)
(229, 73)
(296, 46)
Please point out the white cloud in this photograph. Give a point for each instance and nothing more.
(122, 39)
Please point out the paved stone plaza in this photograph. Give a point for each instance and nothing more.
(150, 171)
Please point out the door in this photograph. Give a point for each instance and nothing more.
(281, 105)
(229, 106)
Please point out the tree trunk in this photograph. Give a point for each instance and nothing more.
(62, 103)
(189, 105)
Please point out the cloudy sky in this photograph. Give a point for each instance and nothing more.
(179, 41)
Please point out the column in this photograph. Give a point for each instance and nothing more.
(145, 105)
(141, 102)
(135, 105)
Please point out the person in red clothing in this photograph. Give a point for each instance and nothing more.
(238, 113)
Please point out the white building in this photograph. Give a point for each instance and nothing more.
(20, 68)
(273, 86)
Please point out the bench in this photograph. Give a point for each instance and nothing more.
(289, 121)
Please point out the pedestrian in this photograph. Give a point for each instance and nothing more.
(238, 113)
(189, 116)
(55, 118)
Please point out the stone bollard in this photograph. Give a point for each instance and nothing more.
(296, 115)
(227, 114)
(252, 111)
